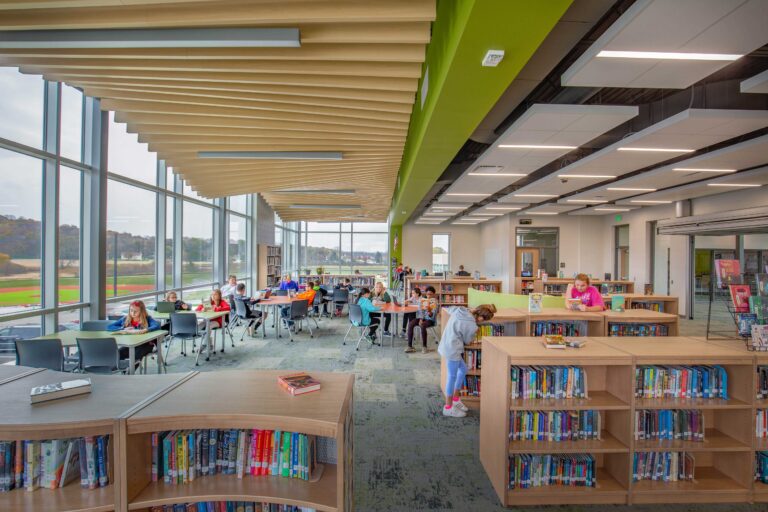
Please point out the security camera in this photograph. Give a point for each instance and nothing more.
(563, 180)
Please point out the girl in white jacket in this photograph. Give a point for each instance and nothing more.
(460, 330)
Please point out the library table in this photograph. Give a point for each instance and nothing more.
(131, 341)
(275, 302)
(393, 310)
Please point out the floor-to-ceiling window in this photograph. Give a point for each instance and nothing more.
(441, 253)
(344, 247)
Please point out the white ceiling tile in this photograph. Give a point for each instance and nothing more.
(756, 84)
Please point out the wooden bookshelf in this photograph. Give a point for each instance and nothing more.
(358, 280)
(270, 265)
(454, 292)
(514, 323)
(524, 285)
(609, 387)
(664, 303)
(594, 320)
(131, 408)
(558, 285)
(642, 317)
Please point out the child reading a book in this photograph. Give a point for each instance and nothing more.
(581, 296)
(137, 321)
(413, 300)
(426, 317)
(460, 330)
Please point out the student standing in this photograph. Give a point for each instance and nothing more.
(379, 294)
(137, 321)
(426, 317)
(584, 296)
(364, 301)
(460, 330)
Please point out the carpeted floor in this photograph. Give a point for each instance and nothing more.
(407, 455)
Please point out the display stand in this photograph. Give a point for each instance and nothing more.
(722, 296)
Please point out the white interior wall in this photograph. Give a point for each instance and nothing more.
(466, 246)
(498, 247)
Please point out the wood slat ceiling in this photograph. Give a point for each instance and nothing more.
(350, 87)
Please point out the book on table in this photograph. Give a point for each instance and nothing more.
(298, 383)
(60, 390)
(553, 341)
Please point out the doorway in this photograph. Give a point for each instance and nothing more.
(621, 252)
(527, 261)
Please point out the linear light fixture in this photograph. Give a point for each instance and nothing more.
(534, 146)
(337, 192)
(659, 150)
(273, 155)
(631, 189)
(649, 201)
(477, 194)
(590, 176)
(508, 208)
(423, 222)
(439, 214)
(325, 206)
(690, 169)
(465, 223)
(496, 174)
(616, 54)
(734, 185)
(535, 195)
(153, 38)
(541, 213)
(586, 201)
(489, 214)
(452, 207)
(612, 209)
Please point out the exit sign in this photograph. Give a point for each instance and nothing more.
(617, 218)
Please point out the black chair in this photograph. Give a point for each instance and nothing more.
(280, 293)
(356, 320)
(340, 298)
(297, 313)
(241, 313)
(95, 325)
(100, 355)
(41, 354)
(183, 327)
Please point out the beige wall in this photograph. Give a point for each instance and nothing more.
(466, 246)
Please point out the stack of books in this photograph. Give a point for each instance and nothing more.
(229, 506)
(571, 470)
(669, 424)
(681, 382)
(574, 328)
(55, 463)
(529, 382)
(637, 329)
(663, 466)
(179, 457)
(473, 359)
(554, 425)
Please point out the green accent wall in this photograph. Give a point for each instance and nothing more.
(461, 91)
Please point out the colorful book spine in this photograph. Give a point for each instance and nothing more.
(567, 470)
(687, 382)
(663, 466)
(471, 386)
(637, 329)
(555, 426)
(535, 382)
(564, 328)
(670, 425)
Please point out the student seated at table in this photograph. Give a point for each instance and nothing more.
(380, 295)
(323, 292)
(178, 304)
(364, 301)
(462, 272)
(137, 321)
(230, 288)
(426, 317)
(249, 313)
(346, 285)
(413, 300)
(215, 303)
(288, 284)
(581, 296)
(308, 295)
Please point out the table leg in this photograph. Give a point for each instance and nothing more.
(207, 336)
(160, 362)
(278, 319)
(263, 322)
(131, 359)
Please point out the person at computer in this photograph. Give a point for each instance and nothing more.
(462, 272)
(178, 304)
(289, 284)
(249, 313)
(230, 288)
(582, 296)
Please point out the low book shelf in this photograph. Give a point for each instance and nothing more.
(453, 292)
(701, 420)
(640, 322)
(660, 303)
(246, 409)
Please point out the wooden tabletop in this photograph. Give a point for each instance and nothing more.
(276, 300)
(9, 372)
(640, 296)
(242, 399)
(510, 315)
(206, 315)
(563, 314)
(675, 350)
(389, 307)
(531, 350)
(638, 315)
(69, 338)
(110, 397)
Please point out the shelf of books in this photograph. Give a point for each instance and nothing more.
(659, 303)
(304, 278)
(270, 265)
(555, 424)
(640, 322)
(171, 441)
(524, 285)
(565, 322)
(506, 322)
(558, 285)
(358, 280)
(454, 291)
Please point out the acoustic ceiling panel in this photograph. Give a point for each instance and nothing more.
(542, 134)
(717, 30)
(682, 133)
(757, 84)
(348, 88)
(604, 210)
(729, 183)
(743, 155)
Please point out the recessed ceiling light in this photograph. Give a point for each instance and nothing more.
(540, 213)
(649, 201)
(466, 194)
(439, 214)
(702, 170)
(465, 223)
(433, 223)
(492, 214)
(509, 208)
(631, 189)
(534, 146)
(613, 209)
(454, 207)
(734, 185)
(497, 174)
(273, 155)
(583, 176)
(586, 201)
(325, 206)
(659, 150)
(535, 195)
(482, 214)
(667, 55)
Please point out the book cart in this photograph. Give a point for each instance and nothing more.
(506, 322)
(132, 408)
(640, 320)
(453, 292)
(724, 460)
